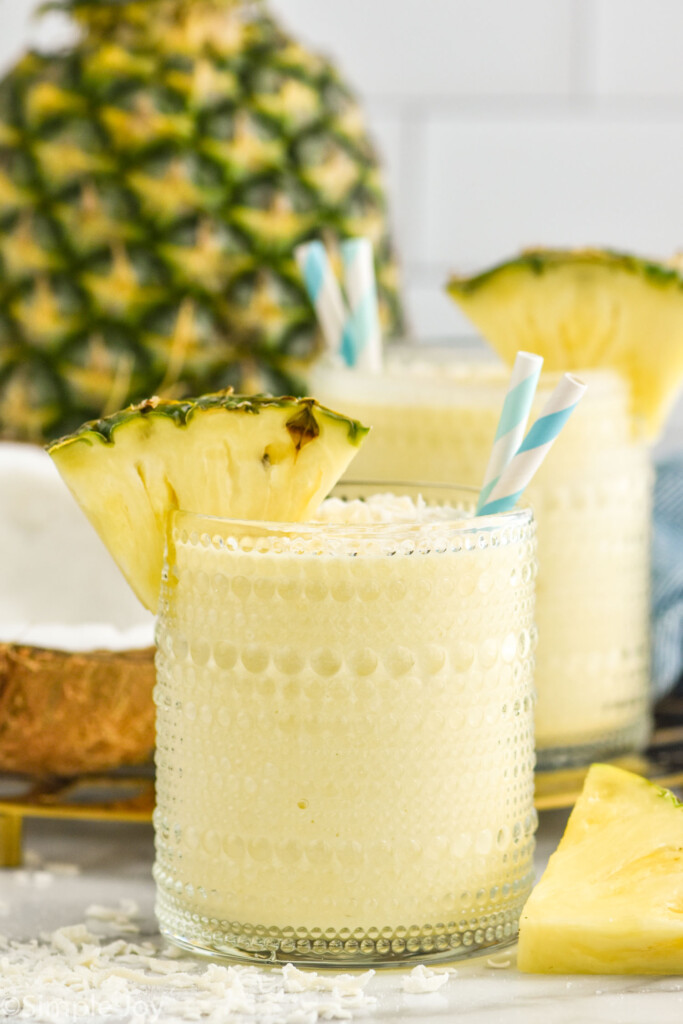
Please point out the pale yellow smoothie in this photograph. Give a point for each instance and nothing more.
(434, 417)
(345, 732)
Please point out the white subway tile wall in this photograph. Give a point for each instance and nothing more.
(443, 49)
(561, 178)
(638, 44)
(502, 123)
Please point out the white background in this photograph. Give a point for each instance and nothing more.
(502, 123)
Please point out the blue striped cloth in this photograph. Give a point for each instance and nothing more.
(667, 576)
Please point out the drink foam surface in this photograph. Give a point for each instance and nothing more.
(386, 508)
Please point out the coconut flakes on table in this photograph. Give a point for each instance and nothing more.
(33, 862)
(115, 919)
(75, 972)
(62, 868)
(40, 874)
(501, 963)
(309, 981)
(422, 980)
(36, 878)
(126, 909)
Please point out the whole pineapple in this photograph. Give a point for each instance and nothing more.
(154, 180)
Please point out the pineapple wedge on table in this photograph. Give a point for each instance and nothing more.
(155, 177)
(223, 454)
(586, 308)
(611, 898)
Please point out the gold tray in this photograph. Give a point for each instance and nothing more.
(125, 796)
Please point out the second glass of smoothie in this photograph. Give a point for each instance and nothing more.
(434, 416)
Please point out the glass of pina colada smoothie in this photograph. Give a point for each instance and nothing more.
(345, 730)
(434, 416)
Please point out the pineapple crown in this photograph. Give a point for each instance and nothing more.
(109, 16)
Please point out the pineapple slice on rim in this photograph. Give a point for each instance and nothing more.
(250, 457)
(611, 898)
(586, 308)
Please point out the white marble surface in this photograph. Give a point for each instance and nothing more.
(114, 864)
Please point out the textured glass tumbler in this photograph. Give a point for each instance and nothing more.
(345, 736)
(592, 502)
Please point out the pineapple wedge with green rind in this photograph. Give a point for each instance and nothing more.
(586, 308)
(611, 898)
(224, 455)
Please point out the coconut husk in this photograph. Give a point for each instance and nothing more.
(64, 713)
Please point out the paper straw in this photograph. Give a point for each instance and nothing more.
(513, 419)
(361, 291)
(325, 294)
(518, 473)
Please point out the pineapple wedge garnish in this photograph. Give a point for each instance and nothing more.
(224, 455)
(586, 308)
(611, 898)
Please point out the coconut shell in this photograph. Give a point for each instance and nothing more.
(64, 713)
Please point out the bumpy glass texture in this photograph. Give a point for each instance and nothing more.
(435, 419)
(345, 739)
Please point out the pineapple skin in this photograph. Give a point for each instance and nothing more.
(154, 180)
(611, 898)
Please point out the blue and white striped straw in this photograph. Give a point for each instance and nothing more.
(513, 419)
(326, 295)
(519, 471)
(361, 291)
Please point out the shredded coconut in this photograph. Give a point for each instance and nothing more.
(422, 980)
(62, 868)
(74, 973)
(309, 981)
(384, 508)
(115, 920)
(32, 859)
(38, 879)
(500, 964)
